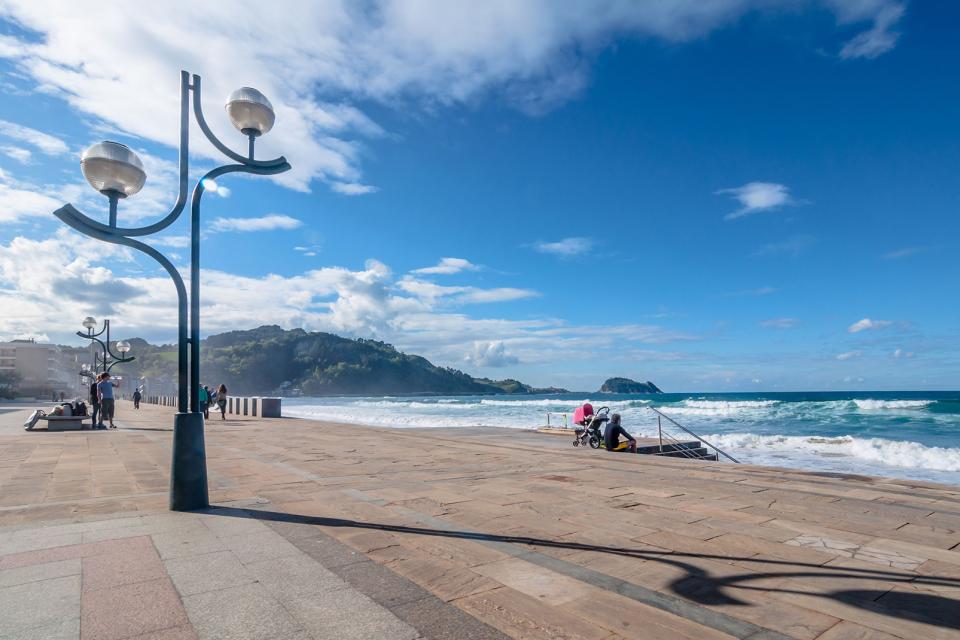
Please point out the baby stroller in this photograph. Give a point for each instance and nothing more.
(590, 430)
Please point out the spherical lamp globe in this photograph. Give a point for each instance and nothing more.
(250, 111)
(113, 169)
(89, 322)
(123, 346)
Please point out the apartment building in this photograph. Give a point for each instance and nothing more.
(38, 366)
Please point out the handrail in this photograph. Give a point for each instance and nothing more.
(680, 426)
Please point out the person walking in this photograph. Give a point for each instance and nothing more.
(105, 392)
(136, 398)
(95, 405)
(222, 400)
(205, 401)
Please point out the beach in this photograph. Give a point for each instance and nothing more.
(466, 533)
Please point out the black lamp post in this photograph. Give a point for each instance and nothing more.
(108, 359)
(116, 172)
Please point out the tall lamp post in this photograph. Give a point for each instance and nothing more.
(117, 173)
(108, 359)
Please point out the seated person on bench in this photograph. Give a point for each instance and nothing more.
(612, 436)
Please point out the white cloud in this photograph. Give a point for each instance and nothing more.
(566, 248)
(369, 302)
(176, 242)
(19, 154)
(780, 323)
(881, 38)
(849, 355)
(448, 266)
(352, 188)
(502, 294)
(121, 66)
(47, 143)
(490, 354)
(433, 293)
(271, 222)
(755, 197)
(903, 253)
(793, 246)
(19, 200)
(900, 353)
(866, 324)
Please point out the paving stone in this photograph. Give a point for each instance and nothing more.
(437, 620)
(293, 576)
(265, 545)
(36, 572)
(444, 579)
(184, 632)
(39, 604)
(126, 566)
(207, 572)
(190, 541)
(520, 616)
(539, 583)
(844, 630)
(329, 552)
(63, 630)
(348, 614)
(380, 583)
(246, 612)
(135, 609)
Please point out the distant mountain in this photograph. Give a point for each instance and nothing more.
(626, 385)
(271, 360)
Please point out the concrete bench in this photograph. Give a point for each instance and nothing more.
(64, 423)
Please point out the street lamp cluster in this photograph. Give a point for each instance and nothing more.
(117, 172)
(107, 359)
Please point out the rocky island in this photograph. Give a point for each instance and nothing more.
(626, 385)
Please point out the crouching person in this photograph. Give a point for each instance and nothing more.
(612, 436)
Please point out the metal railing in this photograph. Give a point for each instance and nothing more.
(677, 445)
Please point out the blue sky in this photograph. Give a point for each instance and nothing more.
(731, 195)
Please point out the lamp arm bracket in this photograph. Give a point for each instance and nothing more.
(79, 222)
(224, 149)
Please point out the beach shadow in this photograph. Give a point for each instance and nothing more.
(697, 584)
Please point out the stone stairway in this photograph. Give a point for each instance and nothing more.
(692, 449)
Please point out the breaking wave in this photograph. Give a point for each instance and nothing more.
(894, 453)
(876, 405)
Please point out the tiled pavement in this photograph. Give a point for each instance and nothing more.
(326, 531)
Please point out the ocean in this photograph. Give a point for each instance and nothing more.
(898, 434)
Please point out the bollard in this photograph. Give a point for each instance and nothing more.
(245, 406)
(269, 407)
(253, 411)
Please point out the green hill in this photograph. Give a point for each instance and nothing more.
(270, 360)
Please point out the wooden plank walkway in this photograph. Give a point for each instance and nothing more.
(537, 539)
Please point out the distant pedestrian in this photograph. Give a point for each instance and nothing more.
(95, 404)
(61, 396)
(105, 392)
(136, 398)
(222, 401)
(205, 401)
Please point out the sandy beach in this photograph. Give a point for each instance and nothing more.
(469, 533)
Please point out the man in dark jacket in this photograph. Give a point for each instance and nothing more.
(95, 404)
(612, 436)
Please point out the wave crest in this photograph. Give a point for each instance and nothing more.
(876, 405)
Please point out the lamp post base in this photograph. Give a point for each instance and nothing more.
(188, 472)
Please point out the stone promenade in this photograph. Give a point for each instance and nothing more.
(331, 531)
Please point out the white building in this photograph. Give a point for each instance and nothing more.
(37, 365)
